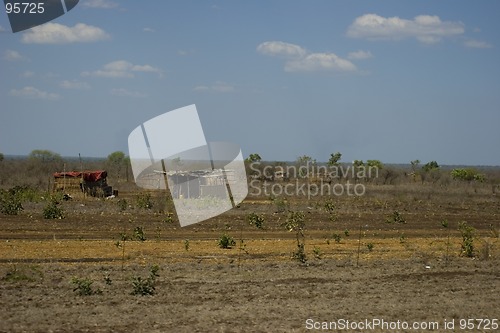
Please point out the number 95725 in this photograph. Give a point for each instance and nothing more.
(25, 7)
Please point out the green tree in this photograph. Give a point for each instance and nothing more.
(117, 162)
(1, 157)
(431, 170)
(432, 165)
(44, 156)
(334, 159)
(357, 166)
(252, 158)
(308, 162)
(44, 161)
(375, 164)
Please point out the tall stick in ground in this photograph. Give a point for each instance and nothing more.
(359, 245)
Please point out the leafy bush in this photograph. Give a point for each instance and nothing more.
(169, 218)
(467, 174)
(83, 287)
(139, 234)
(52, 210)
(317, 252)
(256, 220)
(369, 246)
(144, 201)
(329, 206)
(337, 238)
(10, 204)
(226, 242)
(145, 286)
(122, 204)
(396, 217)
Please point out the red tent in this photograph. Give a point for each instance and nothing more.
(88, 176)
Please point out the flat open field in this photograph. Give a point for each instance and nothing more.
(358, 268)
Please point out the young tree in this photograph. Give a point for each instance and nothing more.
(357, 165)
(308, 162)
(414, 165)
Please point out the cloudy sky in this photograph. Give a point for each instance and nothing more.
(387, 80)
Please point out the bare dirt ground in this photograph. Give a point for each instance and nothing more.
(411, 274)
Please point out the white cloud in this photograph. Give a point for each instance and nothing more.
(11, 55)
(319, 62)
(148, 29)
(55, 33)
(145, 68)
(74, 84)
(299, 60)
(28, 74)
(103, 4)
(127, 93)
(276, 48)
(122, 69)
(425, 28)
(218, 86)
(478, 44)
(33, 93)
(360, 55)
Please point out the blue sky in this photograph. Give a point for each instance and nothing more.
(388, 80)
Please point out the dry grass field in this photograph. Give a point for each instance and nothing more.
(358, 266)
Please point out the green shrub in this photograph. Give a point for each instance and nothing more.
(226, 242)
(83, 287)
(122, 204)
(336, 237)
(468, 174)
(52, 210)
(145, 286)
(329, 206)
(396, 217)
(10, 204)
(256, 220)
(139, 234)
(169, 218)
(144, 201)
(317, 252)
